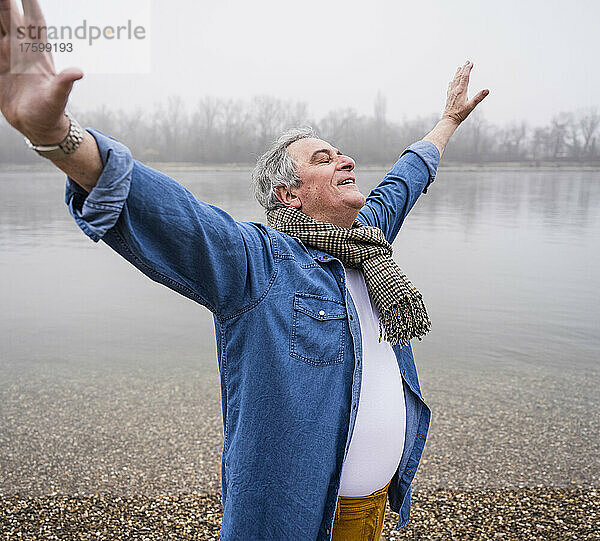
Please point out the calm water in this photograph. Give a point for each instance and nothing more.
(507, 261)
(109, 382)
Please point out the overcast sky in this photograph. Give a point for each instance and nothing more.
(538, 57)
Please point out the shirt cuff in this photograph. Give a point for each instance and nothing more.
(98, 211)
(430, 155)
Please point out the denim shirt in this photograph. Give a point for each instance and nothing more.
(287, 332)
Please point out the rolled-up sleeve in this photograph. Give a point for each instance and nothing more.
(430, 155)
(390, 202)
(97, 212)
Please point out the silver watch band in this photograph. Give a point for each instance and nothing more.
(67, 146)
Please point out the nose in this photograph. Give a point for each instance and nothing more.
(346, 163)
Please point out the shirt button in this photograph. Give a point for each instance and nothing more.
(409, 471)
(321, 312)
(354, 406)
(419, 435)
(404, 372)
(350, 316)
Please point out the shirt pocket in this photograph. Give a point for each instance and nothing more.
(318, 330)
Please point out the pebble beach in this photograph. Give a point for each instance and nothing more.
(535, 514)
(135, 454)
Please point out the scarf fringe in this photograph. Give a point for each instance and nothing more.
(404, 321)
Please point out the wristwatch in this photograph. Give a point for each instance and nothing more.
(67, 146)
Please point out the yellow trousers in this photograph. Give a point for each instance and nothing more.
(360, 519)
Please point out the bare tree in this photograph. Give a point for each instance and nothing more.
(588, 122)
(228, 131)
(296, 114)
(237, 132)
(170, 123)
(268, 117)
(380, 110)
(556, 143)
(345, 129)
(539, 144)
(512, 141)
(204, 134)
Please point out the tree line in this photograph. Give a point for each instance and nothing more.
(227, 131)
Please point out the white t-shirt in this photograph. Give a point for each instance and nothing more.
(378, 438)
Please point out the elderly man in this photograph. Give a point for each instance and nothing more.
(322, 411)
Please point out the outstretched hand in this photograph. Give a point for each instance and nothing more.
(33, 96)
(458, 106)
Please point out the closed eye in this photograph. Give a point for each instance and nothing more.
(323, 155)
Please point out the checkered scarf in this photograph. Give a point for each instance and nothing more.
(402, 313)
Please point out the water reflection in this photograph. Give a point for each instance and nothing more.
(32, 208)
(505, 259)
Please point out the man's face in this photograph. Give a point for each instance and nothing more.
(328, 190)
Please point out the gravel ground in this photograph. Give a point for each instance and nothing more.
(135, 454)
(141, 432)
(532, 514)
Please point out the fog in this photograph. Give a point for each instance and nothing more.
(538, 57)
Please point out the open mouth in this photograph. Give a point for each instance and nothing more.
(347, 181)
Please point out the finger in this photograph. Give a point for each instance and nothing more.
(68, 76)
(33, 16)
(32, 11)
(452, 84)
(64, 83)
(456, 75)
(466, 72)
(478, 98)
(9, 15)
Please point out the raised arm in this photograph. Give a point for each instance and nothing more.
(390, 202)
(33, 97)
(147, 217)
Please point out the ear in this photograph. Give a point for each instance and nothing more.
(287, 197)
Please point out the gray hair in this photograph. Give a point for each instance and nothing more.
(277, 168)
